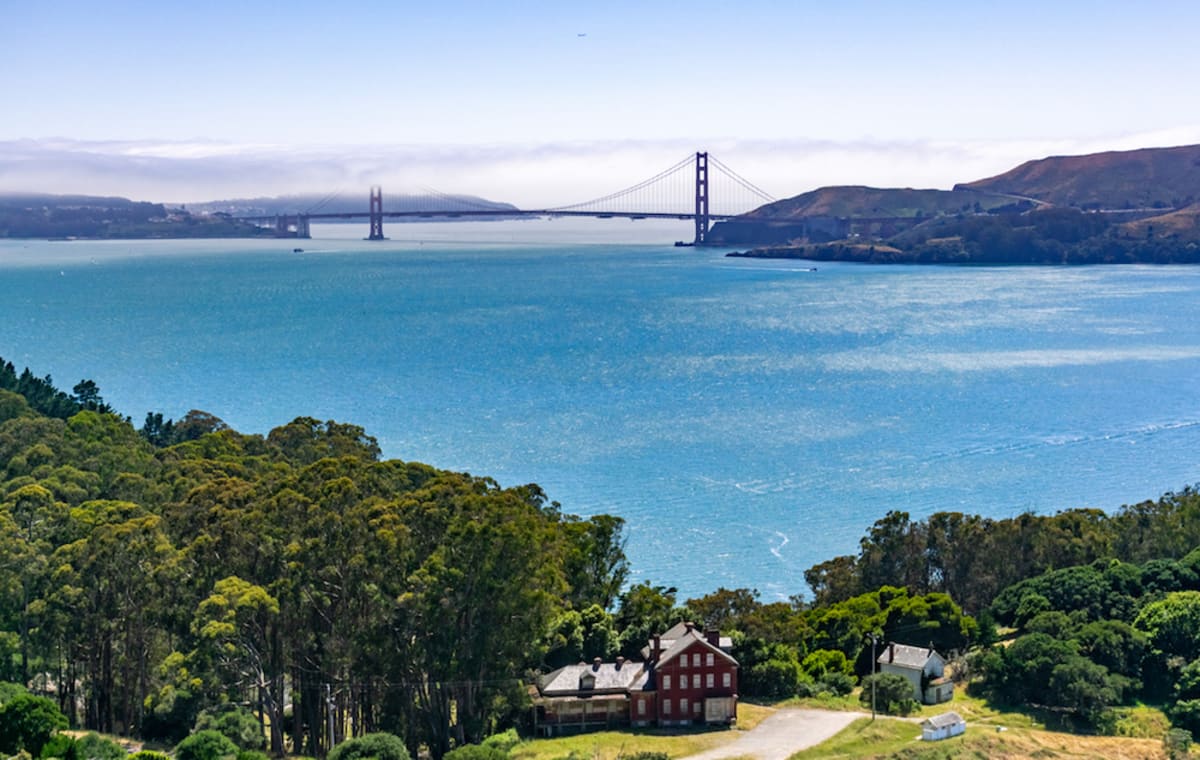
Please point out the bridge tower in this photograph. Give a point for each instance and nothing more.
(376, 213)
(701, 198)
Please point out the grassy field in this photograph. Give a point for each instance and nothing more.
(891, 738)
(608, 745)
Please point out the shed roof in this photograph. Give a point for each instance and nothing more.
(944, 720)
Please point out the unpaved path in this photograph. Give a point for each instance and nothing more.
(783, 734)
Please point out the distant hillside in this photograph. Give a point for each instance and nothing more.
(861, 201)
(342, 204)
(1183, 224)
(1146, 178)
(36, 215)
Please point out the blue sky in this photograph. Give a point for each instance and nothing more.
(134, 97)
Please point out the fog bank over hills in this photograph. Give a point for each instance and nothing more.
(531, 175)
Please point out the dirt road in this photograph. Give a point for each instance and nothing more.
(784, 733)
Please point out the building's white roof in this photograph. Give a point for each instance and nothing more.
(568, 679)
(944, 720)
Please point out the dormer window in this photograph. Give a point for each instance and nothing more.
(587, 681)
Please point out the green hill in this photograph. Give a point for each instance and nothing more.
(1146, 178)
(861, 201)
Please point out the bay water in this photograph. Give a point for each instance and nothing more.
(748, 418)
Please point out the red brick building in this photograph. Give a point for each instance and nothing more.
(688, 677)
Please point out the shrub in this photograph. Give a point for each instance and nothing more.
(206, 745)
(893, 694)
(775, 678)
(252, 754)
(170, 714)
(644, 755)
(839, 684)
(96, 747)
(476, 752)
(1177, 743)
(381, 746)
(8, 690)
(503, 741)
(149, 754)
(27, 723)
(59, 746)
(237, 723)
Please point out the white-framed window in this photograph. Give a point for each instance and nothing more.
(683, 707)
(696, 708)
(683, 660)
(666, 681)
(725, 679)
(708, 659)
(666, 707)
(696, 681)
(696, 660)
(708, 680)
(642, 707)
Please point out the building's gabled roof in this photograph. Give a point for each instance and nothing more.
(608, 678)
(904, 656)
(678, 632)
(942, 721)
(685, 642)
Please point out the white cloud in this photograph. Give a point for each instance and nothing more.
(530, 175)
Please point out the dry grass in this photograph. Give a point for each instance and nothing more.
(609, 745)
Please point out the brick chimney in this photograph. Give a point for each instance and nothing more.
(655, 646)
(713, 637)
(620, 662)
(596, 663)
(891, 652)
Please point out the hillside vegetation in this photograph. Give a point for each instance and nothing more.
(1146, 178)
(1107, 208)
(152, 581)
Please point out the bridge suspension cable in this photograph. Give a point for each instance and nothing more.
(742, 181)
(673, 191)
(620, 194)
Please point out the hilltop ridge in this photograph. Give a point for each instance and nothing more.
(1111, 207)
(1143, 178)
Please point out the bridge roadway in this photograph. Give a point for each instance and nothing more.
(480, 213)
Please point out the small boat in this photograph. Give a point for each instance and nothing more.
(297, 250)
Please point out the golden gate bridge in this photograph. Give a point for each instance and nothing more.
(686, 190)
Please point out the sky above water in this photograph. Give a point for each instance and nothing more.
(545, 102)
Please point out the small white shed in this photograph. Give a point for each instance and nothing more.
(942, 726)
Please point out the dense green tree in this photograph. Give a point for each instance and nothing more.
(891, 693)
(1085, 688)
(1172, 625)
(236, 723)
(1114, 644)
(772, 674)
(724, 609)
(645, 610)
(595, 563)
(27, 722)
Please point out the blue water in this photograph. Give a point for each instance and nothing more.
(747, 418)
